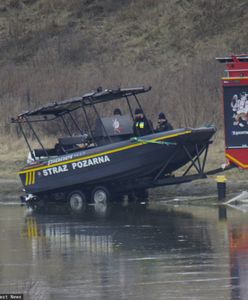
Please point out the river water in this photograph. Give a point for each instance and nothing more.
(163, 252)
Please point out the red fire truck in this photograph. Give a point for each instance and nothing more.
(235, 106)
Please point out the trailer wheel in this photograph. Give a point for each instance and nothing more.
(100, 197)
(77, 202)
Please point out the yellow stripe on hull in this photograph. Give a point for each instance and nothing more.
(104, 153)
(30, 178)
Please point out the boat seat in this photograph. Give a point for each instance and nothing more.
(40, 154)
(43, 153)
(71, 143)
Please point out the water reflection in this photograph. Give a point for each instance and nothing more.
(238, 236)
(134, 250)
(134, 231)
(164, 252)
(64, 236)
(222, 213)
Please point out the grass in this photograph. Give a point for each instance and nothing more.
(13, 156)
(185, 28)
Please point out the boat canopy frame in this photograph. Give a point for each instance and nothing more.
(58, 110)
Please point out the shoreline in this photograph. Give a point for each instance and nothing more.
(11, 189)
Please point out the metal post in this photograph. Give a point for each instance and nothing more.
(166, 164)
(67, 128)
(88, 123)
(221, 187)
(31, 127)
(26, 140)
(204, 160)
(75, 123)
(129, 106)
(100, 120)
(192, 160)
(205, 156)
(222, 212)
(198, 157)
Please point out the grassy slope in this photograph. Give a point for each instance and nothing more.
(59, 48)
(138, 31)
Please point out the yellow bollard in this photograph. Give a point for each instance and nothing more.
(221, 186)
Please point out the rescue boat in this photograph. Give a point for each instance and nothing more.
(104, 161)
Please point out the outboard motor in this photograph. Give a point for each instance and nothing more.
(235, 107)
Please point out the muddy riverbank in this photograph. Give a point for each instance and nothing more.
(10, 189)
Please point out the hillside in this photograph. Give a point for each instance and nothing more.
(53, 49)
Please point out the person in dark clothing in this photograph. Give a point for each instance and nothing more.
(141, 125)
(163, 124)
(117, 112)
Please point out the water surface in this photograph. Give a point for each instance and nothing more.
(164, 252)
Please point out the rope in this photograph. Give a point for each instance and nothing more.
(135, 139)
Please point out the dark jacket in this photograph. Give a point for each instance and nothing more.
(164, 126)
(142, 126)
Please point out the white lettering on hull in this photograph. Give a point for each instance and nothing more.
(90, 162)
(76, 165)
(55, 170)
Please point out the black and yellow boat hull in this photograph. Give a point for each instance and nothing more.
(117, 162)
